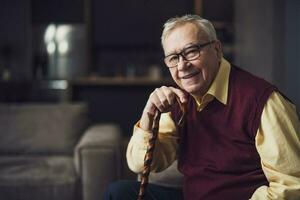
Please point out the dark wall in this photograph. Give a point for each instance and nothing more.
(291, 51)
(267, 42)
(15, 38)
(57, 11)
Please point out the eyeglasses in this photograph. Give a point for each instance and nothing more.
(189, 54)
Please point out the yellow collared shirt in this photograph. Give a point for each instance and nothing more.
(277, 141)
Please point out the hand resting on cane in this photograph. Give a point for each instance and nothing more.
(161, 99)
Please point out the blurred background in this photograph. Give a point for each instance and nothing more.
(108, 53)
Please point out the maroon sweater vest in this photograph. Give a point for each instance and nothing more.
(217, 153)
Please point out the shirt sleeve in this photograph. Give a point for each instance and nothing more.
(278, 144)
(165, 146)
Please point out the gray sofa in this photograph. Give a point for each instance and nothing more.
(169, 177)
(50, 152)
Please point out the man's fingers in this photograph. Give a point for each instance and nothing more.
(180, 94)
(163, 98)
(168, 94)
(156, 101)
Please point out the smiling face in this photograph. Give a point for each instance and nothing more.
(194, 76)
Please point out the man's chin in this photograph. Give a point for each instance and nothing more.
(192, 89)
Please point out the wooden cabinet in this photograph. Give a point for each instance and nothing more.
(126, 34)
(133, 22)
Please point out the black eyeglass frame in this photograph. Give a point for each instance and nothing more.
(181, 53)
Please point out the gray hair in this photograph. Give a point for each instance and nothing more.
(205, 25)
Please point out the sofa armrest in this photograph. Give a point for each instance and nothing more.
(97, 159)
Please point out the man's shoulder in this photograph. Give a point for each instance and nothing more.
(249, 85)
(247, 77)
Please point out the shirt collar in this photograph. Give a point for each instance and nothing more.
(219, 87)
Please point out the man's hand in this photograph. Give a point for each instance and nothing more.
(161, 99)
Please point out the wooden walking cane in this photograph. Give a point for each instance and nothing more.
(150, 150)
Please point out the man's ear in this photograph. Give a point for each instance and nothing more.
(218, 48)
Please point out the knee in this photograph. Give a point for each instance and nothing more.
(120, 189)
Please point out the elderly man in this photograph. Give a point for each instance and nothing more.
(241, 136)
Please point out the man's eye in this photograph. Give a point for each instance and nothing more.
(190, 52)
(173, 59)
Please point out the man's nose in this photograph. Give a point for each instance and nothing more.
(182, 63)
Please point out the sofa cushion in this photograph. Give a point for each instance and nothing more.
(41, 128)
(36, 171)
(51, 177)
